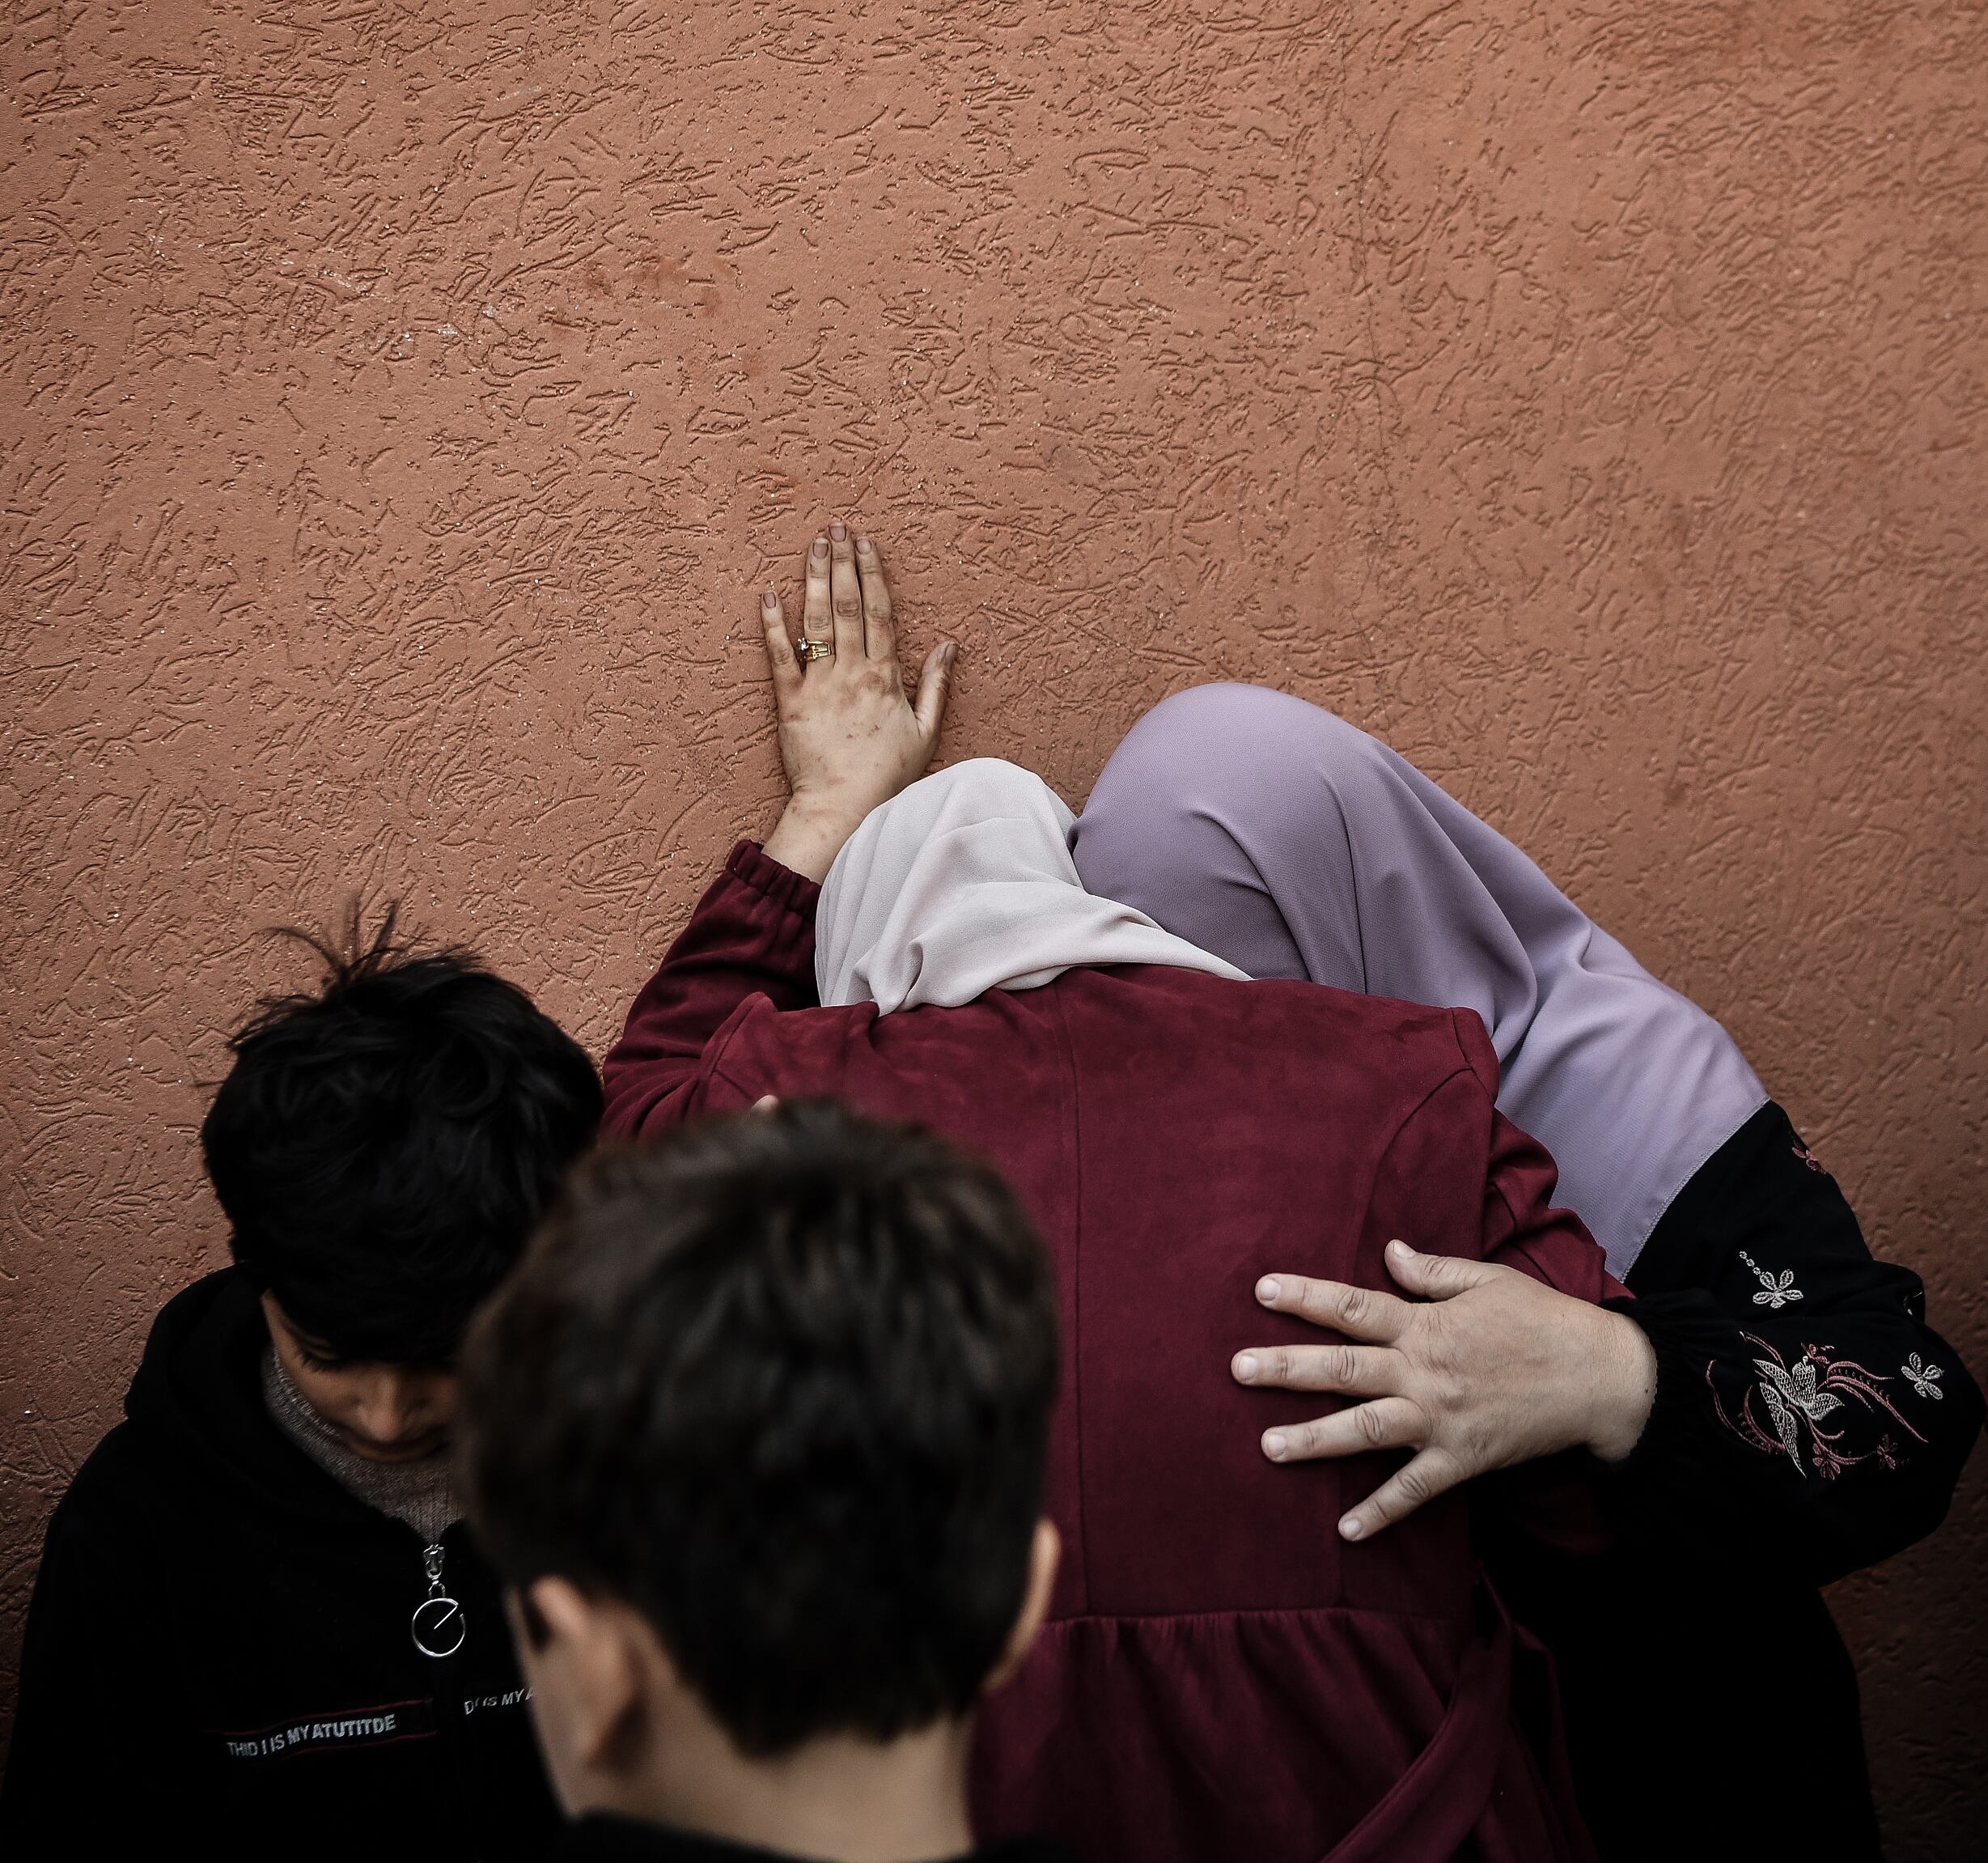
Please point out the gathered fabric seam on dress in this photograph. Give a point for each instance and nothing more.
(1076, 1286)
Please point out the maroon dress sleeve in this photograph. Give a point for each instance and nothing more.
(752, 935)
(1524, 1227)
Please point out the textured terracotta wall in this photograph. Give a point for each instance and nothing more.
(404, 400)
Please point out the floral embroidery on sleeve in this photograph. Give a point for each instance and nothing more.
(1809, 1158)
(1922, 1377)
(1798, 1397)
(1778, 1289)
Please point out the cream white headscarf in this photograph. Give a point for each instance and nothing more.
(964, 884)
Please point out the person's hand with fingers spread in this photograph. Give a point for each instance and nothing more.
(848, 737)
(1490, 1368)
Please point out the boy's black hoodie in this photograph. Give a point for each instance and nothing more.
(219, 1651)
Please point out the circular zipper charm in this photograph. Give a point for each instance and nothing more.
(438, 1627)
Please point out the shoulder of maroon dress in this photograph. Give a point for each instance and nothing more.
(1407, 1050)
(1279, 998)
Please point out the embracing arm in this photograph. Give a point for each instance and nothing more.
(1805, 1412)
(849, 740)
(1506, 1359)
(1774, 1392)
(751, 935)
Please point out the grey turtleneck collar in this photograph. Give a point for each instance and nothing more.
(417, 1493)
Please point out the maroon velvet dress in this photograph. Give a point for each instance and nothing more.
(1223, 1677)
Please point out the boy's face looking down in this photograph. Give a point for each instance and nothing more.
(757, 1434)
(385, 1412)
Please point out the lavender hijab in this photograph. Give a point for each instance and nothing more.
(1278, 836)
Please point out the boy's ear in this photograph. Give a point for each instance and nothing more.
(587, 1667)
(1043, 1552)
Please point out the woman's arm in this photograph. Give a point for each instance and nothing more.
(848, 740)
(1784, 1397)
(1804, 1409)
(752, 934)
(1507, 1359)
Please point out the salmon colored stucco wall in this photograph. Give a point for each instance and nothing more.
(404, 400)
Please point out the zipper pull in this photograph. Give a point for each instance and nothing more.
(439, 1626)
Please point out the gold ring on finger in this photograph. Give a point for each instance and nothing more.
(814, 649)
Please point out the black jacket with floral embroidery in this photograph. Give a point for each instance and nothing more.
(1805, 1411)
(1807, 1422)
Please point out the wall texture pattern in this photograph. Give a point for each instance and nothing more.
(404, 401)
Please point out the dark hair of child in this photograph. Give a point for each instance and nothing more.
(782, 1383)
(385, 1143)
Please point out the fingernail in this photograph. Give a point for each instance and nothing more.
(768, 600)
(863, 543)
(1348, 1528)
(1400, 1248)
(819, 549)
(1274, 1446)
(1266, 1289)
(1246, 1366)
(838, 530)
(952, 651)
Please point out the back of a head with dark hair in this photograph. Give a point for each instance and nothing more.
(384, 1145)
(782, 1383)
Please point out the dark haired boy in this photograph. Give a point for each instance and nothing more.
(258, 1621)
(757, 1433)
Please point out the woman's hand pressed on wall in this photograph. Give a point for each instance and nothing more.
(1491, 1368)
(849, 737)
